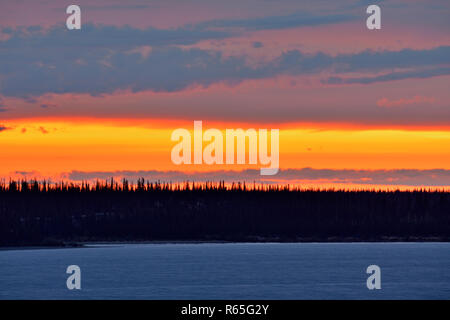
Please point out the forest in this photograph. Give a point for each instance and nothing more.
(34, 213)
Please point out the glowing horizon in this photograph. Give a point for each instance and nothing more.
(53, 149)
(355, 107)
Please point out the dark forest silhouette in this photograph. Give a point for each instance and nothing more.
(41, 213)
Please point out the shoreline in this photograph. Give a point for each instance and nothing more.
(94, 244)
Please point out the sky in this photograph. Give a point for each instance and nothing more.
(356, 108)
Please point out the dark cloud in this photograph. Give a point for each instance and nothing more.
(48, 105)
(407, 177)
(370, 60)
(300, 19)
(257, 44)
(25, 173)
(102, 36)
(420, 74)
(3, 128)
(103, 59)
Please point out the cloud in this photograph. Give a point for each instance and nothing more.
(3, 128)
(415, 74)
(144, 51)
(104, 59)
(407, 177)
(103, 36)
(385, 102)
(43, 130)
(257, 44)
(25, 173)
(48, 105)
(300, 19)
(369, 60)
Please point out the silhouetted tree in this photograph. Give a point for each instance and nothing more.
(36, 213)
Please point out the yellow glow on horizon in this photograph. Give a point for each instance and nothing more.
(54, 146)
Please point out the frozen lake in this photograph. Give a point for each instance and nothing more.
(229, 271)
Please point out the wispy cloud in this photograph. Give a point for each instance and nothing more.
(48, 105)
(385, 102)
(300, 19)
(391, 76)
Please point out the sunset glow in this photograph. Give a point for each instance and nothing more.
(355, 108)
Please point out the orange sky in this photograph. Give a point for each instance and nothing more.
(355, 107)
(49, 147)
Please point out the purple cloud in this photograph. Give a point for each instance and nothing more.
(34, 62)
(407, 177)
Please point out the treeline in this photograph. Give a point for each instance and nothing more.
(43, 213)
